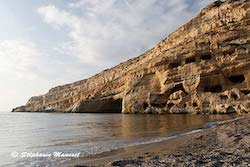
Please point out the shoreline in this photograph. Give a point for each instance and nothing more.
(182, 148)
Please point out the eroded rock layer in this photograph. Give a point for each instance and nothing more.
(203, 67)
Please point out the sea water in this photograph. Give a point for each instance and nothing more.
(33, 139)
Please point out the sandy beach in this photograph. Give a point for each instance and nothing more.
(224, 145)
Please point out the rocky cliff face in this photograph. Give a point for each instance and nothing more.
(203, 67)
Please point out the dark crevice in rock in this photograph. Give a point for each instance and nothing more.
(177, 88)
(246, 92)
(213, 88)
(223, 97)
(145, 105)
(237, 79)
(234, 96)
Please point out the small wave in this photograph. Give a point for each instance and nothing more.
(216, 123)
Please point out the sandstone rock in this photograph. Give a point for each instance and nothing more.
(203, 67)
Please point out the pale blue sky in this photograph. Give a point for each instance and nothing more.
(45, 43)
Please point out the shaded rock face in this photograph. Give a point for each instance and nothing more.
(203, 67)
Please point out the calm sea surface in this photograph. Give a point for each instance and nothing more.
(25, 134)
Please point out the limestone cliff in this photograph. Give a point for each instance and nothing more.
(203, 67)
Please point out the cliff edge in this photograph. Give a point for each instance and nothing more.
(203, 67)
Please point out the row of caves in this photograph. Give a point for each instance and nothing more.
(212, 89)
(214, 85)
(194, 59)
(175, 96)
(210, 83)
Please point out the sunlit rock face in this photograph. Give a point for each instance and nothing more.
(203, 67)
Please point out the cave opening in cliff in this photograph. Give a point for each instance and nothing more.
(237, 79)
(230, 110)
(195, 104)
(174, 64)
(190, 60)
(177, 88)
(170, 105)
(218, 3)
(213, 88)
(206, 57)
(108, 105)
(160, 105)
(116, 106)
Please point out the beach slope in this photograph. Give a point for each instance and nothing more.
(227, 144)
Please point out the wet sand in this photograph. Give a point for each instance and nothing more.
(224, 145)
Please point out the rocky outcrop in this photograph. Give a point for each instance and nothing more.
(203, 67)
